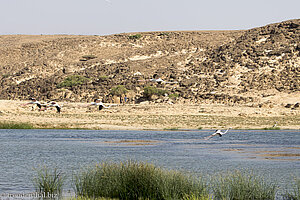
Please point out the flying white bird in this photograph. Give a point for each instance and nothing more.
(98, 102)
(41, 106)
(54, 104)
(217, 132)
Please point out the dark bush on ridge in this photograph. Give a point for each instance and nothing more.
(136, 180)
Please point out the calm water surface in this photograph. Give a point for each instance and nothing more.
(273, 154)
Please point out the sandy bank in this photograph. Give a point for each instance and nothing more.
(151, 116)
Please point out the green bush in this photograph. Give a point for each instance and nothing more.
(118, 90)
(48, 181)
(149, 91)
(12, 125)
(72, 81)
(271, 128)
(135, 37)
(136, 180)
(243, 186)
(163, 34)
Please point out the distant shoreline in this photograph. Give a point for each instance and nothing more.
(166, 117)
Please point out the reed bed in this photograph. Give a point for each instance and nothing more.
(49, 182)
(13, 125)
(136, 180)
(242, 186)
(139, 180)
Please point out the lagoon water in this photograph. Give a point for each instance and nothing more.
(273, 154)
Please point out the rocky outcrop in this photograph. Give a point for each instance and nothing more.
(199, 66)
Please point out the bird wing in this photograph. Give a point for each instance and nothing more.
(106, 106)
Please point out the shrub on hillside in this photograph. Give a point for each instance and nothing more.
(72, 81)
(118, 90)
(135, 37)
(149, 91)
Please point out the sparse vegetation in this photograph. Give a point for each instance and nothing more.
(48, 181)
(135, 37)
(118, 90)
(13, 125)
(72, 81)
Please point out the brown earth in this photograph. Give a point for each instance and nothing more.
(244, 79)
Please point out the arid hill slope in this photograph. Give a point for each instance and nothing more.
(205, 66)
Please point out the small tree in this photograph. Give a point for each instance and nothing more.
(149, 91)
(118, 90)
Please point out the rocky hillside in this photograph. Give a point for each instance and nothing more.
(197, 66)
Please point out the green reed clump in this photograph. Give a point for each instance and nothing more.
(48, 181)
(13, 125)
(242, 186)
(295, 193)
(271, 128)
(136, 180)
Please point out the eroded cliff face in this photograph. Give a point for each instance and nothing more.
(198, 66)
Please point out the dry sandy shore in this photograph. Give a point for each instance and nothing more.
(151, 116)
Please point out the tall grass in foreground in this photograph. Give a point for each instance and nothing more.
(137, 180)
(295, 193)
(12, 125)
(48, 181)
(242, 186)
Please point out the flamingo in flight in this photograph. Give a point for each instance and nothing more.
(217, 132)
(56, 105)
(41, 107)
(97, 102)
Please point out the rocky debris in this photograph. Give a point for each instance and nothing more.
(198, 66)
(292, 106)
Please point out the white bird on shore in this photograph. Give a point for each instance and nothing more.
(217, 132)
